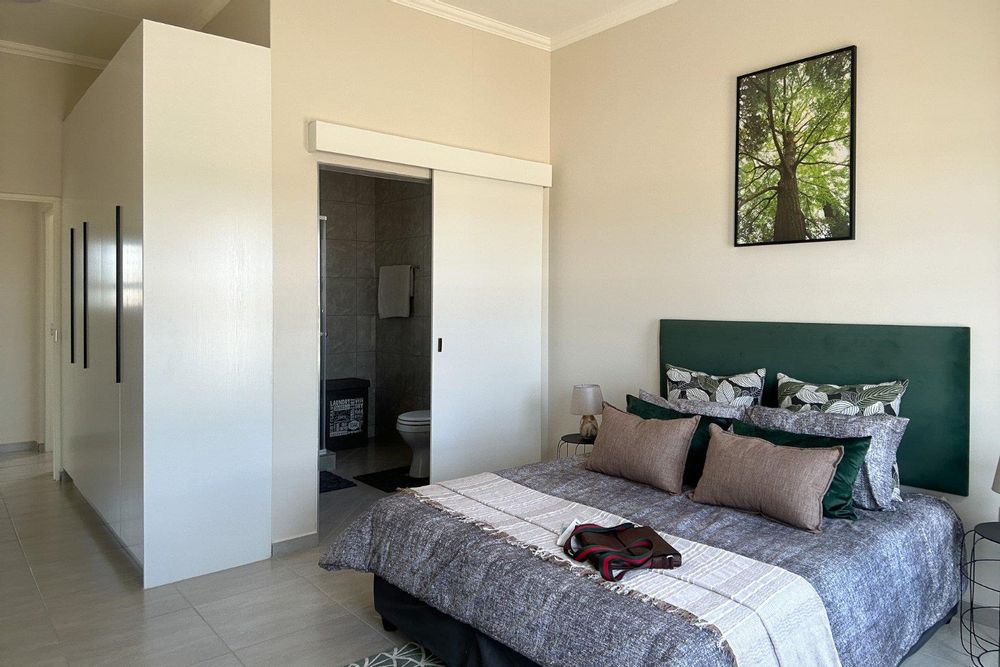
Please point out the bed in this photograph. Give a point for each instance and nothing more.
(473, 596)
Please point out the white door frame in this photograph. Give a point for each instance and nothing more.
(392, 149)
(347, 147)
(51, 208)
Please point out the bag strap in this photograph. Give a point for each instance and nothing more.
(608, 559)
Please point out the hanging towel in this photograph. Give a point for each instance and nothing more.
(395, 287)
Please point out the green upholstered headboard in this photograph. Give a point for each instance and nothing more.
(934, 453)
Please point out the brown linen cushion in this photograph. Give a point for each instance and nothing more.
(651, 451)
(783, 483)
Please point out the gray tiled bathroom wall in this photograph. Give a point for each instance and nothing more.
(374, 222)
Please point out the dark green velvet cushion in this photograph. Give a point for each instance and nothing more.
(699, 442)
(838, 503)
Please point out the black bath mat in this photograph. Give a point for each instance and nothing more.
(390, 480)
(330, 482)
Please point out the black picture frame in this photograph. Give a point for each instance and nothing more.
(837, 209)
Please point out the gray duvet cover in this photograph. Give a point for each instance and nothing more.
(884, 578)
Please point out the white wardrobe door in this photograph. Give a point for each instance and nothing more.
(487, 277)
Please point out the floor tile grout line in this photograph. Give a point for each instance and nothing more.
(334, 601)
(348, 609)
(258, 588)
(277, 563)
(34, 580)
(210, 627)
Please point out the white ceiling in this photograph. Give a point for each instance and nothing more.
(94, 28)
(547, 24)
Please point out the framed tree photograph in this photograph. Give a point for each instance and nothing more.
(795, 151)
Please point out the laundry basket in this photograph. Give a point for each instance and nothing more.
(345, 414)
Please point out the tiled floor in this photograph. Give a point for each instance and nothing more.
(69, 595)
(338, 508)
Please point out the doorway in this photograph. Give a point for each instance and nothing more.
(375, 339)
(29, 341)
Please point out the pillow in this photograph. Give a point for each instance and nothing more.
(704, 408)
(741, 389)
(844, 399)
(874, 487)
(699, 442)
(838, 502)
(651, 451)
(783, 483)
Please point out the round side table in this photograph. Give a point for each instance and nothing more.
(577, 441)
(974, 642)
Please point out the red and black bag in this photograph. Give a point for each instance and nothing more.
(619, 549)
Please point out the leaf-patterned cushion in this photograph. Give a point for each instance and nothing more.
(742, 389)
(841, 399)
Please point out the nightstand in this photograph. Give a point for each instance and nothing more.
(577, 441)
(974, 642)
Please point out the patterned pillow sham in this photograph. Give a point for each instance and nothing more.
(704, 408)
(743, 389)
(844, 399)
(876, 483)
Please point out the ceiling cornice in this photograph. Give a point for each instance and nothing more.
(632, 10)
(479, 22)
(31, 51)
(604, 22)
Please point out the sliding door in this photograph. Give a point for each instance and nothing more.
(486, 386)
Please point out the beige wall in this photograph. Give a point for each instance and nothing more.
(36, 95)
(245, 20)
(380, 66)
(21, 308)
(642, 205)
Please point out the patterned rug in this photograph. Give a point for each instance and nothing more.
(407, 655)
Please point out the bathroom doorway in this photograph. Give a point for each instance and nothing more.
(375, 332)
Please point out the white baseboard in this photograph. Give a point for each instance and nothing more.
(287, 547)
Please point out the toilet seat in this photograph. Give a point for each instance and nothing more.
(415, 418)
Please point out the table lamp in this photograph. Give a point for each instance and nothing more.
(587, 401)
(996, 479)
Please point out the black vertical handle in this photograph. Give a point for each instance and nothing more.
(118, 294)
(86, 301)
(72, 295)
(440, 344)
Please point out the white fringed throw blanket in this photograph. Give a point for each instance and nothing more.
(763, 614)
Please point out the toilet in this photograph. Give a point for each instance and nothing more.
(415, 427)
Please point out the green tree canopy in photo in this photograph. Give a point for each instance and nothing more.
(794, 152)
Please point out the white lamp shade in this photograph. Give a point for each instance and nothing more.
(996, 479)
(587, 400)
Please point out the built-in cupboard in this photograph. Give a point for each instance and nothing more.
(167, 312)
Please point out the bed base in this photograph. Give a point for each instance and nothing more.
(931, 630)
(461, 645)
(455, 643)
